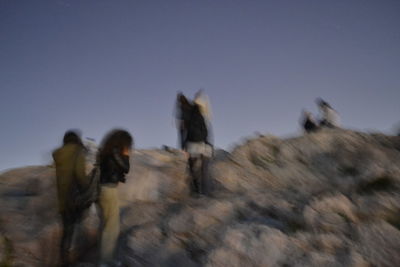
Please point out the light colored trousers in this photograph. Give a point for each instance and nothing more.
(109, 206)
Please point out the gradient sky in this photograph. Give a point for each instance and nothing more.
(96, 64)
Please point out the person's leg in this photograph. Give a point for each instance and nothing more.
(195, 173)
(182, 137)
(204, 175)
(110, 219)
(182, 132)
(66, 239)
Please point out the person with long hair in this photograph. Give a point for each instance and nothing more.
(113, 159)
(69, 161)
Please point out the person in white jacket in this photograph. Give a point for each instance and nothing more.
(328, 116)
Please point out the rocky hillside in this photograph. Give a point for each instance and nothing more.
(326, 199)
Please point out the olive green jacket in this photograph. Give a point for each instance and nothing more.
(70, 164)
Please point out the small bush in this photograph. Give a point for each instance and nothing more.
(295, 226)
(383, 183)
(7, 259)
(261, 161)
(349, 171)
(394, 220)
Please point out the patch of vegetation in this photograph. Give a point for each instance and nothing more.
(241, 215)
(7, 259)
(275, 150)
(302, 160)
(195, 252)
(344, 217)
(383, 183)
(348, 171)
(394, 220)
(294, 226)
(261, 160)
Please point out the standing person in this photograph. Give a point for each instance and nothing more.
(70, 172)
(329, 116)
(199, 149)
(182, 116)
(308, 122)
(114, 165)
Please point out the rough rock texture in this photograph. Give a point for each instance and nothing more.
(330, 198)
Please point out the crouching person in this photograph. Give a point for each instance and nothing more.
(308, 122)
(113, 158)
(70, 164)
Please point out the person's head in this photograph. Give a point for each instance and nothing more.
(322, 103)
(116, 140)
(182, 100)
(72, 137)
(201, 99)
(199, 94)
(179, 96)
(306, 114)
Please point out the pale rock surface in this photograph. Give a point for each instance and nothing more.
(329, 198)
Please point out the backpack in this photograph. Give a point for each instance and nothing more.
(91, 194)
(83, 199)
(197, 129)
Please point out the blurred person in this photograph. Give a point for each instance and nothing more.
(70, 163)
(308, 122)
(113, 159)
(182, 116)
(329, 116)
(199, 150)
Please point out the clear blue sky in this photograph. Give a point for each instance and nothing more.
(96, 64)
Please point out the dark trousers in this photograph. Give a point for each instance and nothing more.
(182, 137)
(326, 124)
(68, 223)
(199, 173)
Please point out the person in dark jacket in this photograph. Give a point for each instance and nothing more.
(308, 122)
(199, 149)
(70, 164)
(113, 158)
(182, 116)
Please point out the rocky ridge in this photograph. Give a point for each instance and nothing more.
(328, 198)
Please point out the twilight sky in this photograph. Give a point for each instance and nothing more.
(99, 64)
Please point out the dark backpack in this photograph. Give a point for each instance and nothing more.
(197, 128)
(82, 199)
